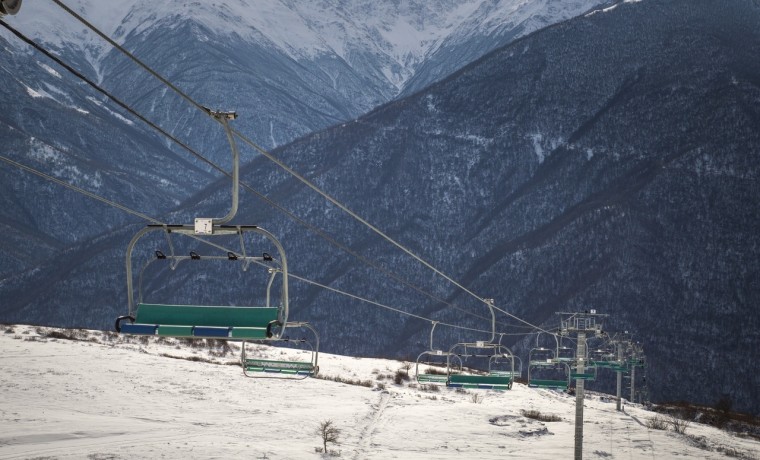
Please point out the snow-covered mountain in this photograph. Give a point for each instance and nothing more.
(290, 67)
(399, 36)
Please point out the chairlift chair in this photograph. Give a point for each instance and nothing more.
(484, 350)
(544, 362)
(266, 323)
(442, 358)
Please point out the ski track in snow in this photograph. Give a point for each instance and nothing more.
(365, 439)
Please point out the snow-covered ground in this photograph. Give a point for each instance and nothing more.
(107, 397)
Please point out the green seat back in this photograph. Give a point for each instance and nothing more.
(194, 315)
(479, 379)
(548, 383)
(432, 378)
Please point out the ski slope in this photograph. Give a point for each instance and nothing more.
(107, 397)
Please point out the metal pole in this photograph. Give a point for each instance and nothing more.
(619, 346)
(222, 117)
(633, 382)
(579, 397)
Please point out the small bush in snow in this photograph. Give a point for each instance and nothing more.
(679, 425)
(401, 377)
(429, 387)
(436, 371)
(536, 415)
(657, 423)
(699, 442)
(329, 433)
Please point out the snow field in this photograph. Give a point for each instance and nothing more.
(104, 397)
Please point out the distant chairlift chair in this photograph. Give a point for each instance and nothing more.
(436, 358)
(491, 351)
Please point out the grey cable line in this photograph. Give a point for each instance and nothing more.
(78, 189)
(131, 56)
(290, 171)
(156, 221)
(373, 228)
(329, 288)
(107, 94)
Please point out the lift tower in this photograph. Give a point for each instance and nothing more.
(580, 324)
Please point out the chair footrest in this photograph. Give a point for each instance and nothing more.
(200, 332)
(278, 366)
(139, 329)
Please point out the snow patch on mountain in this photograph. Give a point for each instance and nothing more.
(400, 35)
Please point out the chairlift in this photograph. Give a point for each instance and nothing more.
(498, 380)
(436, 359)
(603, 357)
(588, 374)
(543, 361)
(500, 364)
(291, 368)
(266, 324)
(565, 354)
(497, 364)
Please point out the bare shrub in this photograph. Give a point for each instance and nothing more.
(430, 387)
(328, 432)
(657, 423)
(71, 334)
(679, 425)
(347, 381)
(436, 371)
(699, 442)
(536, 415)
(734, 453)
(401, 377)
(196, 359)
